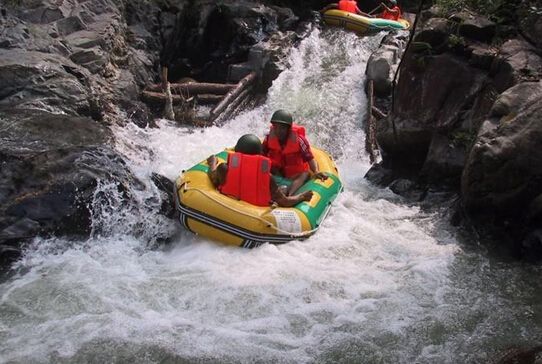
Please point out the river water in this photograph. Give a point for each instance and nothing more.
(383, 280)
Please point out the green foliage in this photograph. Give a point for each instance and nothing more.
(463, 138)
(500, 11)
(421, 47)
(456, 41)
(13, 3)
(420, 52)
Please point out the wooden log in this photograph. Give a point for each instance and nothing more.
(378, 113)
(232, 95)
(163, 78)
(233, 107)
(168, 108)
(160, 98)
(208, 99)
(370, 126)
(196, 88)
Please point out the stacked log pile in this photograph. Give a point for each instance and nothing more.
(227, 98)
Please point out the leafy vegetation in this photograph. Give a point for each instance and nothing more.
(456, 41)
(463, 138)
(500, 11)
(13, 3)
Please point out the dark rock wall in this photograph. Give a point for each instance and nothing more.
(466, 118)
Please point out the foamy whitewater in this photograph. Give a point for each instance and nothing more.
(382, 281)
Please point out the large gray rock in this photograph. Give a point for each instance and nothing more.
(474, 26)
(50, 168)
(445, 159)
(15, 33)
(517, 61)
(427, 101)
(43, 81)
(530, 23)
(503, 173)
(379, 70)
(435, 32)
(383, 63)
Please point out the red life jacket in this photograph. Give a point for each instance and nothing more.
(248, 178)
(348, 5)
(288, 159)
(389, 15)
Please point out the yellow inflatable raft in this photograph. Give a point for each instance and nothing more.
(205, 211)
(362, 24)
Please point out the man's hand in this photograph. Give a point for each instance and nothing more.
(320, 175)
(306, 196)
(211, 161)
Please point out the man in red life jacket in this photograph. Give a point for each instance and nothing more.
(350, 6)
(247, 176)
(289, 151)
(392, 13)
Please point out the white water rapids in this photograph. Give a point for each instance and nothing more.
(382, 281)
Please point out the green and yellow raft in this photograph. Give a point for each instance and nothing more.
(206, 212)
(361, 24)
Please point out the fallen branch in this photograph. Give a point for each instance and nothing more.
(196, 88)
(232, 95)
(158, 98)
(378, 113)
(168, 108)
(233, 107)
(370, 125)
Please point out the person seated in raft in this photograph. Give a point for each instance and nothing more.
(289, 151)
(393, 12)
(350, 6)
(247, 176)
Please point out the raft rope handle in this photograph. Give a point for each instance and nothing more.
(269, 224)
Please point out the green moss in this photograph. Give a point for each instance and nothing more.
(500, 11)
(421, 47)
(463, 138)
(13, 3)
(456, 41)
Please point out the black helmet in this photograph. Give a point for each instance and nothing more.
(282, 117)
(393, 2)
(249, 144)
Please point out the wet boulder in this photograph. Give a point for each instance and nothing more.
(517, 61)
(434, 34)
(530, 23)
(427, 101)
(43, 80)
(504, 168)
(474, 26)
(503, 174)
(88, 42)
(383, 63)
(51, 166)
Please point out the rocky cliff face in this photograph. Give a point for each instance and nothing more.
(465, 117)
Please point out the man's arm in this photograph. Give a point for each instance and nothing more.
(388, 9)
(358, 11)
(375, 9)
(315, 172)
(308, 157)
(215, 175)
